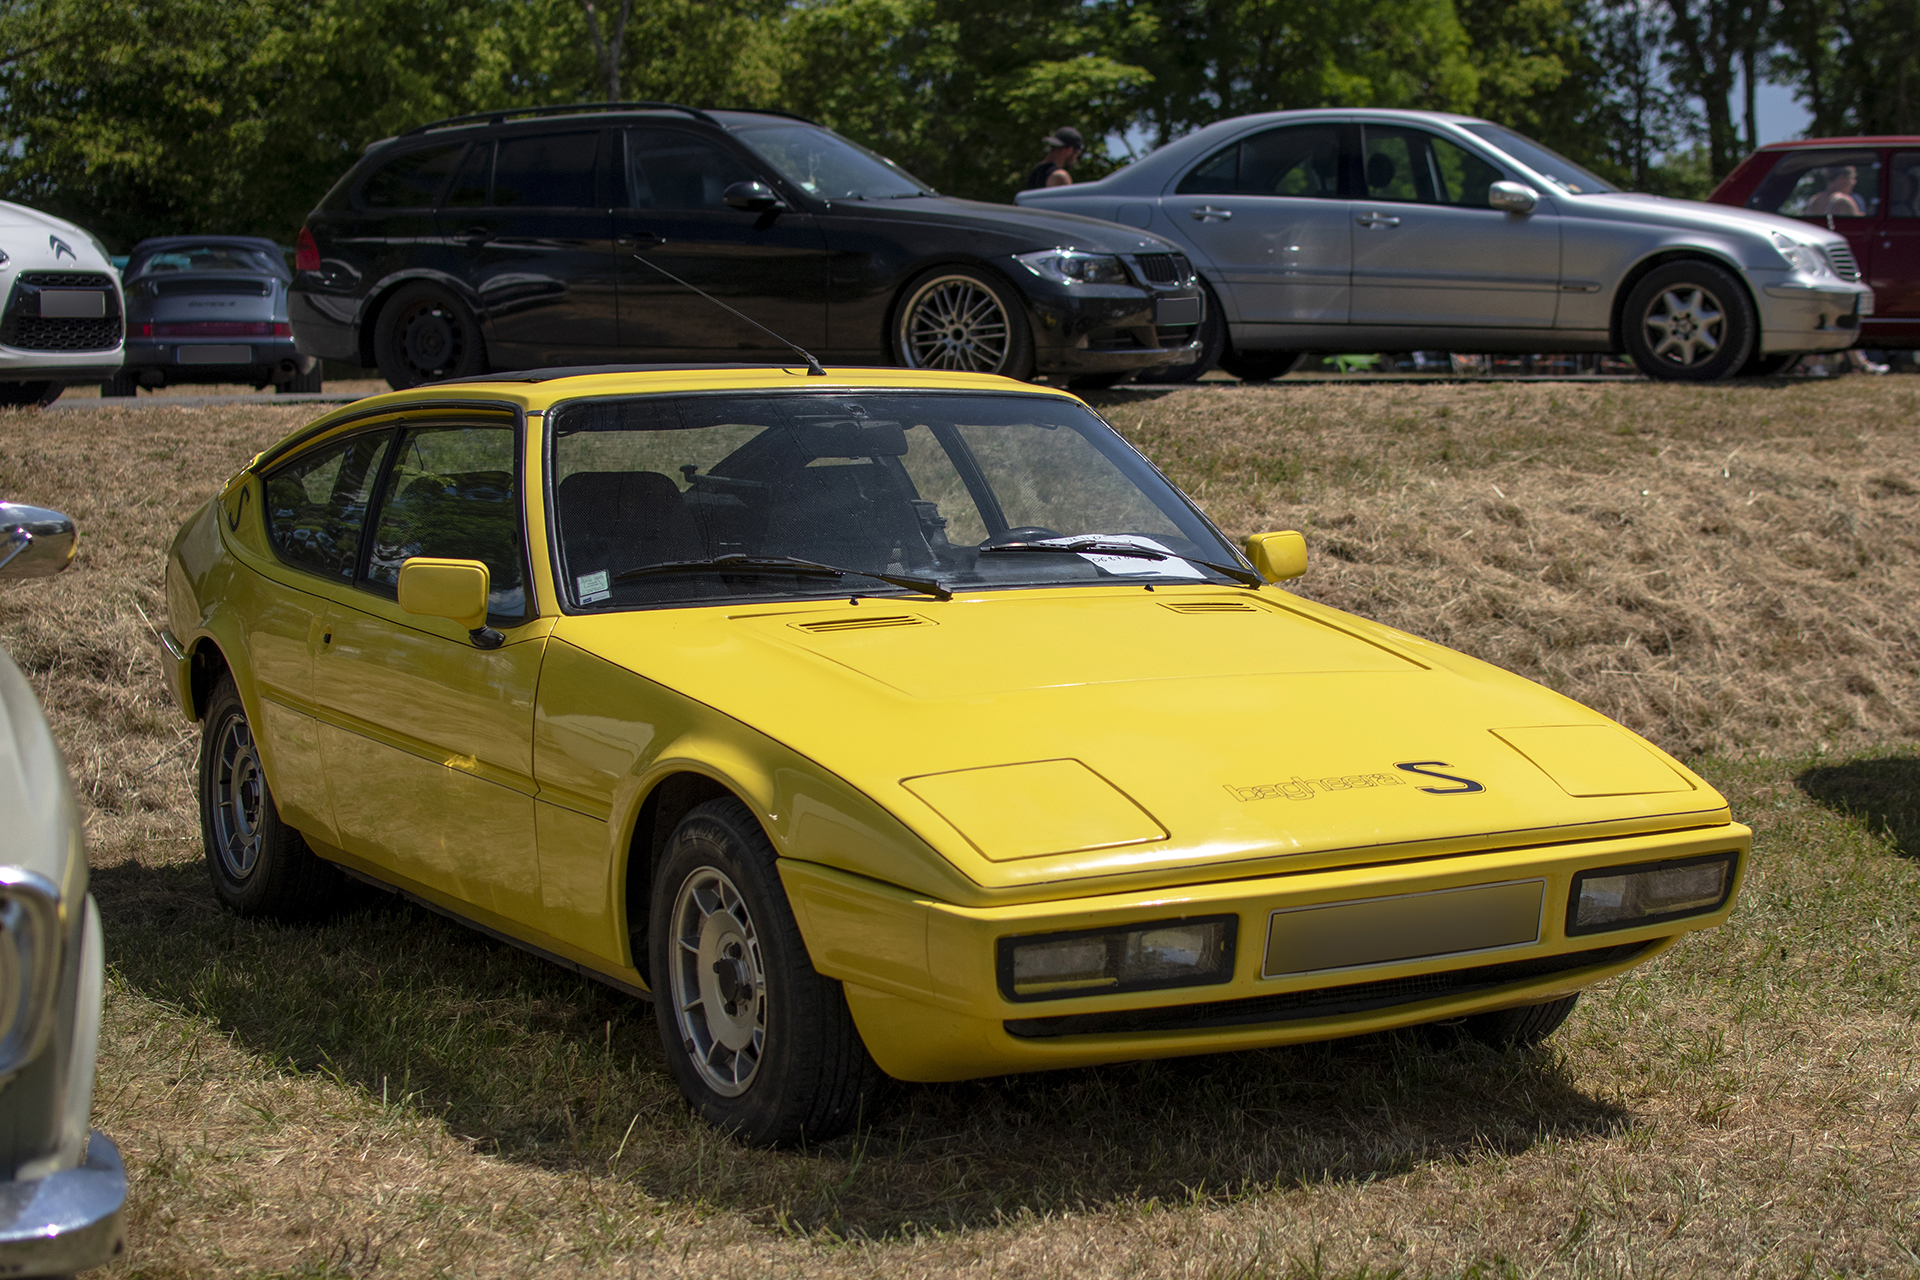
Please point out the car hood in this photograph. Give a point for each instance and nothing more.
(1661, 211)
(1035, 736)
(1021, 230)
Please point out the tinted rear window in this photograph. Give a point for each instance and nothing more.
(410, 181)
(207, 257)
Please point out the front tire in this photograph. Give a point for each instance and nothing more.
(28, 395)
(962, 319)
(1522, 1028)
(761, 1045)
(425, 334)
(1261, 366)
(260, 865)
(1689, 322)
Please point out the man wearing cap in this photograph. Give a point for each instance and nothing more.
(1064, 146)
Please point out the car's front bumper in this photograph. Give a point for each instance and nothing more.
(67, 1221)
(921, 977)
(1808, 317)
(17, 364)
(1082, 329)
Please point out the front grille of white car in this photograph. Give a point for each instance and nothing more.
(24, 328)
(1840, 257)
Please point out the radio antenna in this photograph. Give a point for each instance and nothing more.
(813, 366)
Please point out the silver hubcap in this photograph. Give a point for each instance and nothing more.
(719, 982)
(954, 322)
(239, 796)
(1686, 325)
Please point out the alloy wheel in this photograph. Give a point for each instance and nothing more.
(719, 982)
(955, 322)
(1685, 325)
(239, 795)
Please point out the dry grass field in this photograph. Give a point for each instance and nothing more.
(1732, 571)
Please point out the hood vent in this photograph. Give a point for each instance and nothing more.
(831, 626)
(1208, 606)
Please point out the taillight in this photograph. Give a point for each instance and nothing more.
(306, 253)
(216, 329)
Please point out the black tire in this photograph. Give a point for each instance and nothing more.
(1097, 381)
(425, 334)
(963, 319)
(1213, 345)
(1689, 322)
(302, 383)
(1759, 366)
(260, 865)
(1521, 1028)
(761, 1045)
(121, 384)
(1260, 366)
(28, 395)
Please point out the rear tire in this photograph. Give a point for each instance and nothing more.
(1521, 1028)
(761, 1045)
(1213, 344)
(964, 320)
(121, 384)
(1261, 366)
(425, 334)
(28, 395)
(260, 865)
(302, 383)
(1689, 322)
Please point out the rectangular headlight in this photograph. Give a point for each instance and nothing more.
(1188, 952)
(1648, 893)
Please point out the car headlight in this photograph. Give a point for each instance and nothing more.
(29, 965)
(1187, 952)
(1649, 893)
(1071, 266)
(1801, 257)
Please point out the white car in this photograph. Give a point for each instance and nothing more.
(64, 319)
(63, 1189)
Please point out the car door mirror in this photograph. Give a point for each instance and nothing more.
(754, 197)
(1278, 556)
(34, 542)
(1512, 197)
(451, 589)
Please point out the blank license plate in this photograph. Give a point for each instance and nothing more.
(215, 355)
(1413, 926)
(1176, 311)
(72, 304)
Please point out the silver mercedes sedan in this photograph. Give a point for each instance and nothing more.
(1345, 230)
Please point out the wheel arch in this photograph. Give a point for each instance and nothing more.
(206, 663)
(912, 275)
(670, 799)
(382, 293)
(1617, 327)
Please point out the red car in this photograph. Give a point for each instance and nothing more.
(1866, 189)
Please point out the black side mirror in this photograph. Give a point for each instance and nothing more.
(754, 197)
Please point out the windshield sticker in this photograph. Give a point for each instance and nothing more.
(593, 587)
(1129, 566)
(1303, 788)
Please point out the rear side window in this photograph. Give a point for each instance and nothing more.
(317, 504)
(452, 492)
(546, 170)
(410, 181)
(1903, 185)
(667, 169)
(1300, 160)
(1821, 184)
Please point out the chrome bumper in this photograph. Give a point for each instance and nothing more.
(67, 1221)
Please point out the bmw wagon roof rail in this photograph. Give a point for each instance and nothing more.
(564, 109)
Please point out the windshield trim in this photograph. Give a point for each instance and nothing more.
(1494, 138)
(565, 607)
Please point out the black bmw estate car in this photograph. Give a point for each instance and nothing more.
(552, 236)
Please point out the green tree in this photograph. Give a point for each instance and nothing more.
(1855, 64)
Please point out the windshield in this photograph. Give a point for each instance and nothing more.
(825, 164)
(919, 485)
(207, 257)
(1545, 161)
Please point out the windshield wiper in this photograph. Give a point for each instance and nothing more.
(782, 566)
(1127, 550)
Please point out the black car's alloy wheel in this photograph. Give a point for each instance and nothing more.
(759, 1042)
(1689, 322)
(260, 866)
(425, 334)
(958, 319)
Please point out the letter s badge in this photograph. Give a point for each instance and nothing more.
(1422, 767)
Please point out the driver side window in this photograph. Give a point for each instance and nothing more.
(667, 169)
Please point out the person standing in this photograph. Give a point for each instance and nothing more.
(1064, 146)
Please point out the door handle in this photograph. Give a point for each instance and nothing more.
(1378, 220)
(639, 240)
(1207, 213)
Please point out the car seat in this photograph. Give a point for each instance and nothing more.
(614, 520)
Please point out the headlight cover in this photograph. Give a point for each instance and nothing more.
(1608, 898)
(1803, 258)
(1190, 951)
(29, 965)
(1073, 266)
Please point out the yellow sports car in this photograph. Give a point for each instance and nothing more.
(890, 720)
